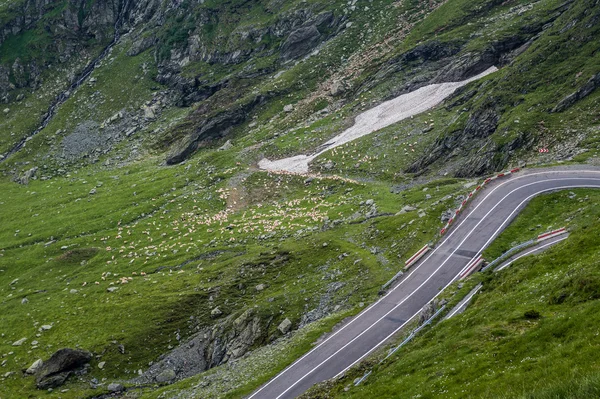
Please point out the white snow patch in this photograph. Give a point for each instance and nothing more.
(376, 118)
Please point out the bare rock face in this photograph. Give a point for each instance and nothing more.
(64, 362)
(580, 94)
(210, 347)
(300, 42)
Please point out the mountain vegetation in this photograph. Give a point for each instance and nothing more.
(139, 231)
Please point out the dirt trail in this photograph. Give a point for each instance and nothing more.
(376, 118)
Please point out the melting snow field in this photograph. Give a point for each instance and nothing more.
(377, 118)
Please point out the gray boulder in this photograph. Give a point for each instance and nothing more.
(166, 376)
(227, 146)
(285, 326)
(114, 387)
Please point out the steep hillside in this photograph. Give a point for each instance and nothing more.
(136, 221)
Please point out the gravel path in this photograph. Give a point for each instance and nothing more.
(376, 118)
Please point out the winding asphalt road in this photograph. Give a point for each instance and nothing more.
(490, 212)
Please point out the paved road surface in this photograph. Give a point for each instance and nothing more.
(487, 216)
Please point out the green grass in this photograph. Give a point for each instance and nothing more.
(155, 220)
(214, 224)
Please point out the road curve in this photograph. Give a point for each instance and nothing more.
(486, 217)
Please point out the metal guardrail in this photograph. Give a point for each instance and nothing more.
(509, 253)
(415, 332)
(409, 263)
(357, 383)
(396, 276)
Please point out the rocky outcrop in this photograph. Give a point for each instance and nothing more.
(64, 362)
(498, 53)
(580, 94)
(189, 89)
(26, 176)
(212, 129)
(479, 126)
(210, 347)
(300, 42)
(67, 31)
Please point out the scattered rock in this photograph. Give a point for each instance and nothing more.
(228, 145)
(73, 291)
(112, 289)
(337, 88)
(447, 215)
(101, 365)
(285, 326)
(28, 175)
(260, 287)
(45, 327)
(288, 108)
(19, 342)
(114, 387)
(149, 113)
(406, 209)
(92, 191)
(216, 312)
(24, 301)
(166, 376)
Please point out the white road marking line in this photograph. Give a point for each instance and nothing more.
(442, 290)
(418, 266)
(530, 252)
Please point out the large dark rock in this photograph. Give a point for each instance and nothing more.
(60, 366)
(213, 129)
(300, 42)
(498, 53)
(432, 50)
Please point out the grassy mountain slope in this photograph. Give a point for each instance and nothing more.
(213, 246)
